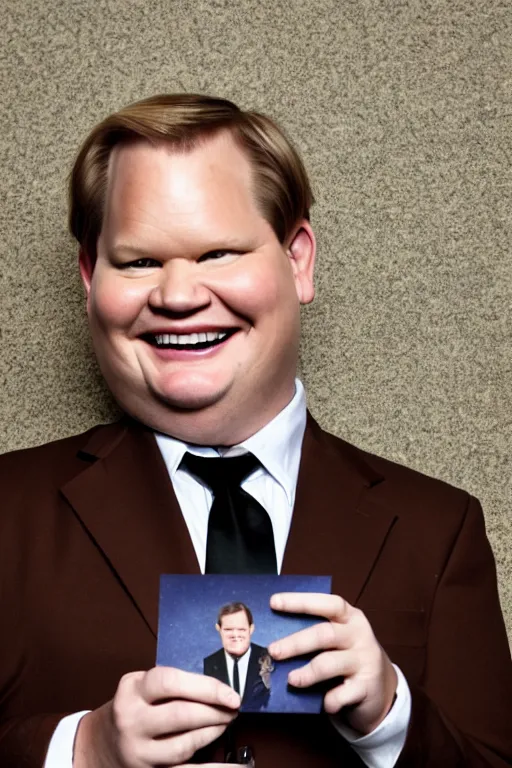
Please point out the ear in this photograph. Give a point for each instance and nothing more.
(251, 629)
(217, 627)
(86, 266)
(301, 252)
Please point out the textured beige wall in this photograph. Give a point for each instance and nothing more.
(403, 113)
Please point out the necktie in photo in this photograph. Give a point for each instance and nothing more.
(236, 677)
(240, 536)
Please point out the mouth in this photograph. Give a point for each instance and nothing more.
(189, 341)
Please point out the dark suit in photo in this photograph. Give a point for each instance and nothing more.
(256, 694)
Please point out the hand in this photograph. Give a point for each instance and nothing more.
(160, 717)
(349, 650)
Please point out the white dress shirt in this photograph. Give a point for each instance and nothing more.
(278, 448)
(243, 666)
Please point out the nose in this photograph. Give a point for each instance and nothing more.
(179, 289)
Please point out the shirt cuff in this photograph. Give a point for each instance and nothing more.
(382, 747)
(60, 750)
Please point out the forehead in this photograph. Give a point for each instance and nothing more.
(233, 620)
(156, 193)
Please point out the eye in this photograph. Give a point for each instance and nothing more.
(219, 254)
(143, 263)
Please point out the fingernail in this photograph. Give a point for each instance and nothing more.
(232, 699)
(274, 650)
(294, 678)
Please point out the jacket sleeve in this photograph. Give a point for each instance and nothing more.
(462, 714)
(24, 740)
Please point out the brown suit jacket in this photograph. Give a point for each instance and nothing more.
(88, 524)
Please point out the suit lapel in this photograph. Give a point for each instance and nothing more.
(252, 669)
(125, 500)
(336, 528)
(252, 674)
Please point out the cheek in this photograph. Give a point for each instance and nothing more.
(260, 289)
(114, 306)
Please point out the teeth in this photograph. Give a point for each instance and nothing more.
(164, 339)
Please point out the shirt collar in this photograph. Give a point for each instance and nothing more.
(277, 445)
(230, 658)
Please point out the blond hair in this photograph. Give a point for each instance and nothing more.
(282, 190)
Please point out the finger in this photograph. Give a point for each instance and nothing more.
(350, 693)
(178, 749)
(332, 607)
(323, 636)
(325, 666)
(171, 683)
(180, 716)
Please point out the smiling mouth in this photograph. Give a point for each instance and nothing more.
(189, 341)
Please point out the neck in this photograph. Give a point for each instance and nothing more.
(237, 658)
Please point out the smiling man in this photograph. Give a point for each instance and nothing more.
(196, 253)
(184, 252)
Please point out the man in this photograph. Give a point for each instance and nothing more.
(240, 663)
(196, 253)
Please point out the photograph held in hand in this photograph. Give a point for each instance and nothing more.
(222, 626)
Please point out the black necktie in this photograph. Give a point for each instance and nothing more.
(236, 676)
(240, 536)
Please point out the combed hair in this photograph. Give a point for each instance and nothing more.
(230, 608)
(281, 186)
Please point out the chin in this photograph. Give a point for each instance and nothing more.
(194, 415)
(187, 391)
(189, 400)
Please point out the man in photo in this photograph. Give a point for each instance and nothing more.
(245, 666)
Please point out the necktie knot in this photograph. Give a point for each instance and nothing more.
(220, 473)
(240, 536)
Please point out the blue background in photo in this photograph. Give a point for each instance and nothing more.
(188, 613)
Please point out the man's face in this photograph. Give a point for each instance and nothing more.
(235, 633)
(193, 303)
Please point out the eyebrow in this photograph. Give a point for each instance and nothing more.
(118, 250)
(227, 244)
